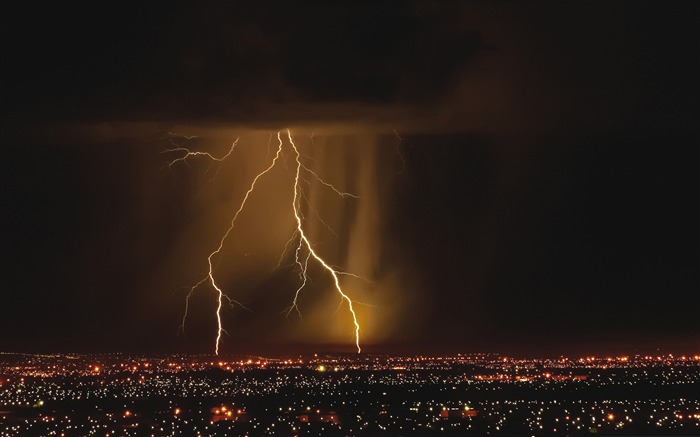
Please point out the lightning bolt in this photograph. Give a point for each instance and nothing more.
(303, 238)
(303, 244)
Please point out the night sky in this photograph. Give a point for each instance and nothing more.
(544, 197)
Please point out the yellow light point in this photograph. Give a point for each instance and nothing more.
(313, 253)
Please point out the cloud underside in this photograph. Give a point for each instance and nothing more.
(252, 62)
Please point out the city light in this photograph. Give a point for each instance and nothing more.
(464, 394)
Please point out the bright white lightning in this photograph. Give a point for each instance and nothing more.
(307, 243)
(210, 275)
(303, 241)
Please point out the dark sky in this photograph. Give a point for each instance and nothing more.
(545, 196)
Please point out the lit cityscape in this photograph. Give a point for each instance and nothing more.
(416, 218)
(473, 394)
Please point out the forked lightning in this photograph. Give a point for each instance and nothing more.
(304, 245)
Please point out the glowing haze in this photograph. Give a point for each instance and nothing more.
(305, 245)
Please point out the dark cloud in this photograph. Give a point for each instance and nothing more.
(414, 66)
(219, 60)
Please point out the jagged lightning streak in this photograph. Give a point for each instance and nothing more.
(210, 275)
(303, 238)
(299, 232)
(302, 276)
(318, 178)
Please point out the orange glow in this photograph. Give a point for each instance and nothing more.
(611, 416)
(304, 244)
(302, 238)
(177, 411)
